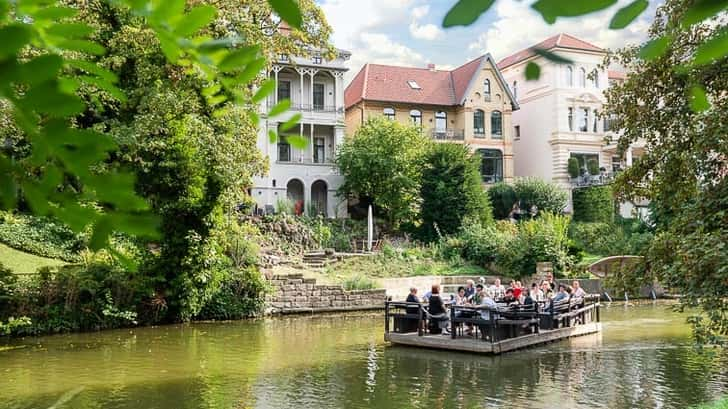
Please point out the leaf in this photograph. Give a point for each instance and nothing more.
(251, 71)
(290, 123)
(218, 99)
(211, 90)
(8, 187)
(703, 9)
(166, 9)
(193, 21)
(288, 10)
(698, 99)
(54, 13)
(297, 141)
(552, 56)
(169, 46)
(533, 71)
(105, 86)
(265, 89)
(210, 46)
(272, 137)
(137, 224)
(465, 12)
(552, 9)
(628, 14)
(86, 46)
(655, 48)
(42, 68)
(69, 30)
(101, 231)
(14, 37)
(238, 58)
(46, 98)
(94, 69)
(712, 49)
(279, 108)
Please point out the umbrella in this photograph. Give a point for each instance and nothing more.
(370, 228)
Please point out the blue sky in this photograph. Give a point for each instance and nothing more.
(409, 32)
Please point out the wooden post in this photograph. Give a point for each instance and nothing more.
(492, 326)
(420, 331)
(453, 328)
(386, 317)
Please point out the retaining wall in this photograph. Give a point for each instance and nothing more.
(294, 294)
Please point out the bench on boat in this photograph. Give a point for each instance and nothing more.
(499, 323)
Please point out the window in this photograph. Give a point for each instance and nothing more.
(584, 159)
(595, 78)
(491, 165)
(583, 119)
(318, 96)
(570, 76)
(515, 90)
(595, 121)
(283, 58)
(582, 77)
(416, 116)
(496, 124)
(284, 90)
(479, 123)
(319, 150)
(616, 164)
(517, 132)
(317, 59)
(284, 149)
(571, 119)
(440, 122)
(389, 113)
(486, 90)
(413, 84)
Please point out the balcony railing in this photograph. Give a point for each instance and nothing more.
(295, 159)
(593, 180)
(295, 106)
(447, 134)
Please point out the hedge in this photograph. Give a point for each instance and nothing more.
(593, 204)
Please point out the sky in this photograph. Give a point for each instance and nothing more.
(410, 33)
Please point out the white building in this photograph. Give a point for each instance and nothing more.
(305, 178)
(560, 113)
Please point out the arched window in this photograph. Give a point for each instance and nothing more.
(570, 76)
(491, 165)
(416, 116)
(595, 78)
(496, 124)
(440, 123)
(389, 113)
(582, 77)
(515, 90)
(486, 89)
(479, 123)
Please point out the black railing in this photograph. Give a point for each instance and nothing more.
(447, 134)
(593, 180)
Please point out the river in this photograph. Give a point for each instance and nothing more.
(643, 359)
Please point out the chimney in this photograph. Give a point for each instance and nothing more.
(431, 67)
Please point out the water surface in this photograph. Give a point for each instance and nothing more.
(643, 359)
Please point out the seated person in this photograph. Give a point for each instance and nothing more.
(469, 289)
(547, 291)
(460, 298)
(412, 297)
(509, 298)
(483, 298)
(536, 293)
(528, 299)
(437, 311)
(578, 291)
(562, 294)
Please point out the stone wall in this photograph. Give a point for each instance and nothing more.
(294, 294)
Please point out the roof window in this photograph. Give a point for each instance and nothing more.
(413, 84)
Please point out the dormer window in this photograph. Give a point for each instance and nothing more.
(317, 59)
(413, 84)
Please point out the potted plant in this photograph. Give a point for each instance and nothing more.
(573, 168)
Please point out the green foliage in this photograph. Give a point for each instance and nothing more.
(547, 197)
(40, 236)
(358, 282)
(573, 168)
(451, 191)
(682, 169)
(14, 325)
(241, 296)
(623, 237)
(592, 166)
(541, 239)
(502, 198)
(383, 162)
(593, 204)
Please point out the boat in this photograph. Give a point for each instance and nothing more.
(494, 330)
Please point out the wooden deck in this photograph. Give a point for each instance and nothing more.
(483, 347)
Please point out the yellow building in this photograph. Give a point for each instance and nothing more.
(471, 104)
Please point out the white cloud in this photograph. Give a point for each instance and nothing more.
(423, 31)
(517, 26)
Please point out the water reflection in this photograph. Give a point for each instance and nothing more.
(642, 359)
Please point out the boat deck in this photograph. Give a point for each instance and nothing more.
(470, 344)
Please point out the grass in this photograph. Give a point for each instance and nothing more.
(719, 404)
(20, 262)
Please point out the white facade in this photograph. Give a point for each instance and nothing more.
(304, 178)
(560, 118)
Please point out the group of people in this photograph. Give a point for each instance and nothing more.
(494, 296)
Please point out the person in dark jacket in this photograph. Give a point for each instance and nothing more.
(437, 311)
(412, 297)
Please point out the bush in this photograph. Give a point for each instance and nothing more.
(593, 204)
(547, 197)
(502, 197)
(358, 282)
(573, 168)
(542, 239)
(592, 166)
(481, 244)
(40, 236)
(626, 236)
(240, 296)
(451, 191)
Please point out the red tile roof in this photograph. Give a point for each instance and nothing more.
(558, 41)
(389, 83)
(616, 75)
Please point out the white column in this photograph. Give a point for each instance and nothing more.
(310, 91)
(300, 90)
(339, 90)
(275, 93)
(628, 157)
(310, 141)
(300, 133)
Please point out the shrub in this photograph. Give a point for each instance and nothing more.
(502, 197)
(40, 236)
(240, 296)
(358, 282)
(481, 244)
(547, 197)
(573, 168)
(593, 204)
(592, 165)
(451, 191)
(537, 240)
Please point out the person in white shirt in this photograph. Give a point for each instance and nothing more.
(497, 290)
(578, 291)
(536, 293)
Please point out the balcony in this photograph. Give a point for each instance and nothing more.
(447, 134)
(602, 178)
(316, 108)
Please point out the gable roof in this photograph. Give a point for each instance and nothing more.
(389, 83)
(558, 41)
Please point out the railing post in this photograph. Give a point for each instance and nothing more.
(453, 328)
(492, 326)
(386, 317)
(419, 321)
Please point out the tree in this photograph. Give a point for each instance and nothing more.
(451, 190)
(383, 162)
(684, 168)
(502, 198)
(547, 197)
